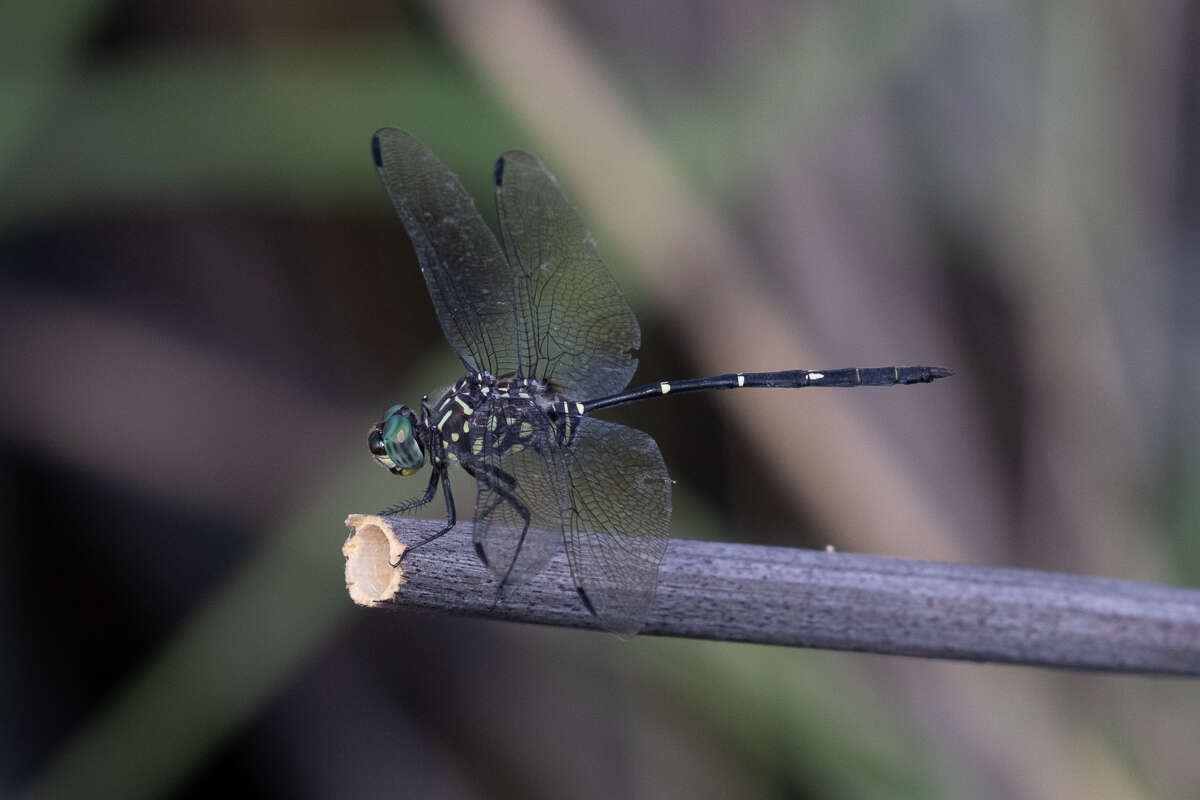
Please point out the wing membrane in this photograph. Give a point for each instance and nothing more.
(522, 491)
(618, 521)
(469, 280)
(575, 326)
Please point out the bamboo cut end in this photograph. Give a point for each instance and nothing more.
(371, 550)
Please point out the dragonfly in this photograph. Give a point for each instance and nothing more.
(547, 340)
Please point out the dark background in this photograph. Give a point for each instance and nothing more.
(206, 301)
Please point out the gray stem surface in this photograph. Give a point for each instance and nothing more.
(815, 598)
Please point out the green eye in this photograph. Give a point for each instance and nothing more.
(394, 443)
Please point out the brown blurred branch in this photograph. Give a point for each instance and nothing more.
(813, 598)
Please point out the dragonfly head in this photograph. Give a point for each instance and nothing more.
(395, 442)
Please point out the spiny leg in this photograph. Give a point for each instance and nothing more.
(474, 468)
(416, 502)
(508, 479)
(493, 478)
(451, 518)
(524, 512)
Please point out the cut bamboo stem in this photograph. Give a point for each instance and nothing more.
(812, 598)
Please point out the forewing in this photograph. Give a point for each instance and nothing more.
(469, 281)
(618, 522)
(522, 492)
(575, 326)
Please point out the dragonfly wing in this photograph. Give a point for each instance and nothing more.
(522, 490)
(469, 280)
(575, 326)
(618, 521)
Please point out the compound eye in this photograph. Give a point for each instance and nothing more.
(375, 442)
(394, 442)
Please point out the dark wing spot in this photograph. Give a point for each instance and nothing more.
(498, 172)
(375, 154)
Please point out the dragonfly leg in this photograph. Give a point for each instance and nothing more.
(501, 483)
(451, 518)
(474, 467)
(416, 502)
(509, 480)
(493, 476)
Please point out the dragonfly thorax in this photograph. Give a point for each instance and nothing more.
(486, 416)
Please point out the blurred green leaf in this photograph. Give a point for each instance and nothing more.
(241, 645)
(282, 126)
(38, 42)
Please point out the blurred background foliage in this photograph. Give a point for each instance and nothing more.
(207, 300)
